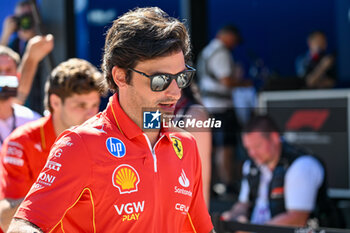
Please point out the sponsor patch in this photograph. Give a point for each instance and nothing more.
(116, 147)
(277, 192)
(130, 211)
(14, 161)
(12, 150)
(182, 208)
(14, 143)
(125, 178)
(65, 141)
(185, 183)
(183, 180)
(53, 165)
(57, 153)
(46, 179)
(177, 145)
(183, 191)
(37, 186)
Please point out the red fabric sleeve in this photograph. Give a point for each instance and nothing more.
(198, 219)
(60, 183)
(16, 178)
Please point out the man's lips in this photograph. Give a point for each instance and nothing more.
(167, 106)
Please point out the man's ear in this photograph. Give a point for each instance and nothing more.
(275, 137)
(55, 102)
(119, 76)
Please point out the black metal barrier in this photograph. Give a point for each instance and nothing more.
(231, 227)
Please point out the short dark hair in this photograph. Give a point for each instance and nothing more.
(261, 123)
(315, 33)
(74, 76)
(230, 28)
(23, 3)
(142, 34)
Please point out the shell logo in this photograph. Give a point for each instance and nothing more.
(125, 178)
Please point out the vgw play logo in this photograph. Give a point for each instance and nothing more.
(151, 119)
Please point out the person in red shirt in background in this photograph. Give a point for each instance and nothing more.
(73, 96)
(121, 171)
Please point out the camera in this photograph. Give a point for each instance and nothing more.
(8, 86)
(25, 21)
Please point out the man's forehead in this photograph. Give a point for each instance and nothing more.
(82, 97)
(255, 134)
(6, 59)
(172, 63)
(7, 65)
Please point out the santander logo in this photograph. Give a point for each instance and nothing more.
(183, 180)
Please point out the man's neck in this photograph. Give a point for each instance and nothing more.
(152, 135)
(57, 124)
(6, 109)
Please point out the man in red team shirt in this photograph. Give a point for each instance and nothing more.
(114, 175)
(73, 97)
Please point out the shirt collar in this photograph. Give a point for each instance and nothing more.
(47, 132)
(117, 115)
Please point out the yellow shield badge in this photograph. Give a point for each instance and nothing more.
(177, 145)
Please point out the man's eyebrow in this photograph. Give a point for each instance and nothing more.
(154, 73)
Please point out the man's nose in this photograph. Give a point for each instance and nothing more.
(173, 90)
(91, 112)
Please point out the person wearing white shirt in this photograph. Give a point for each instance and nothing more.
(217, 78)
(280, 184)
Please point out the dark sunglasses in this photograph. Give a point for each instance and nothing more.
(160, 82)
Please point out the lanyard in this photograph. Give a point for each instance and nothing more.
(13, 125)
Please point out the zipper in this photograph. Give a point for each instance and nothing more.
(152, 150)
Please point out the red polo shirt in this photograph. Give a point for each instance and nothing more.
(23, 155)
(104, 176)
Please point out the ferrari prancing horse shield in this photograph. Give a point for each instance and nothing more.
(177, 145)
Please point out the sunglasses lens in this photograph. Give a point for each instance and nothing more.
(160, 82)
(183, 79)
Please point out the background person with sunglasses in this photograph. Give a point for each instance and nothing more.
(114, 175)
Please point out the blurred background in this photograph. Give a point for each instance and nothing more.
(273, 31)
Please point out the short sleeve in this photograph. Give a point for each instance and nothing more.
(244, 191)
(302, 181)
(60, 183)
(220, 64)
(198, 219)
(15, 172)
